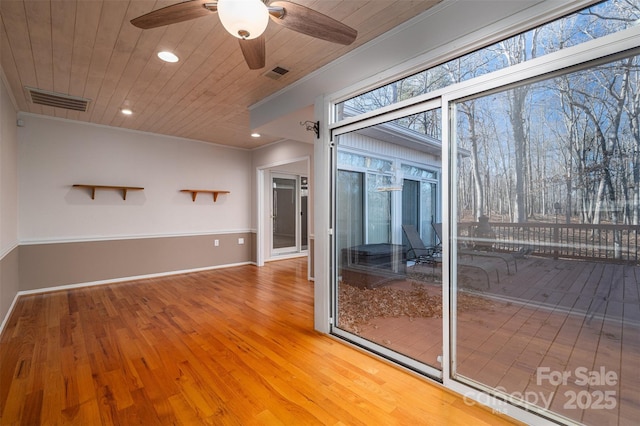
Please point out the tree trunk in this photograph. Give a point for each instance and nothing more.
(517, 124)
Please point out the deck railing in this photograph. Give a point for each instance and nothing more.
(615, 243)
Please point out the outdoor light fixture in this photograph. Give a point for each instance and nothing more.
(126, 111)
(244, 19)
(255, 135)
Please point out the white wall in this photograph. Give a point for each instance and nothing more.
(8, 203)
(8, 173)
(54, 154)
(280, 153)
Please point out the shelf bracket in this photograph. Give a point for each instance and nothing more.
(194, 193)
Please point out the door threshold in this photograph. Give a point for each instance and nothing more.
(287, 256)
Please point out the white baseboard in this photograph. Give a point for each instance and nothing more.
(132, 278)
(9, 311)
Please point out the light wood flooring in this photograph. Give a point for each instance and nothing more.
(231, 346)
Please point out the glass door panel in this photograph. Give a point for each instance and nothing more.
(284, 215)
(545, 251)
(383, 301)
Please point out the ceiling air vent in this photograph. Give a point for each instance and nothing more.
(57, 100)
(276, 73)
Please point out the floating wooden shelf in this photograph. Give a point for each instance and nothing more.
(194, 193)
(93, 188)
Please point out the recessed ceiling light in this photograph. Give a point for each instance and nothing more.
(255, 135)
(167, 56)
(126, 111)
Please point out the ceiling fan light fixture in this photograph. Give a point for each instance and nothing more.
(244, 19)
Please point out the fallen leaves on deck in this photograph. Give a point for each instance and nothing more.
(358, 306)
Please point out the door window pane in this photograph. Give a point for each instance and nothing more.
(428, 201)
(284, 213)
(410, 204)
(418, 208)
(391, 301)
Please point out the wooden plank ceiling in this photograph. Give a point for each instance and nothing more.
(89, 49)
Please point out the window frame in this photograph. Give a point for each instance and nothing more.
(585, 55)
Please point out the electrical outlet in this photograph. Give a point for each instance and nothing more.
(216, 243)
(240, 240)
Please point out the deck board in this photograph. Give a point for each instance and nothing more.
(542, 316)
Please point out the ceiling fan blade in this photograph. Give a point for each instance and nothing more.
(310, 22)
(254, 52)
(172, 14)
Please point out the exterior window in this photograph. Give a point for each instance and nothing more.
(378, 209)
(597, 21)
(417, 172)
(363, 192)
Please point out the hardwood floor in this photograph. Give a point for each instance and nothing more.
(229, 346)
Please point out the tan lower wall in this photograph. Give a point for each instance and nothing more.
(254, 247)
(8, 281)
(57, 264)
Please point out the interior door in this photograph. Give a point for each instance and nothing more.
(284, 214)
(304, 217)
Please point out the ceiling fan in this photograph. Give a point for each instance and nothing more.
(248, 19)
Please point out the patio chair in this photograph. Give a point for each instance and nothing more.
(505, 257)
(421, 254)
(418, 252)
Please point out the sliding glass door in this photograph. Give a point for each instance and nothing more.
(388, 293)
(546, 310)
(486, 233)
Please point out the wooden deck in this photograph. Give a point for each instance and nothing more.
(565, 316)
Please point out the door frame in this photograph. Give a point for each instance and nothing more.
(263, 204)
(557, 62)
